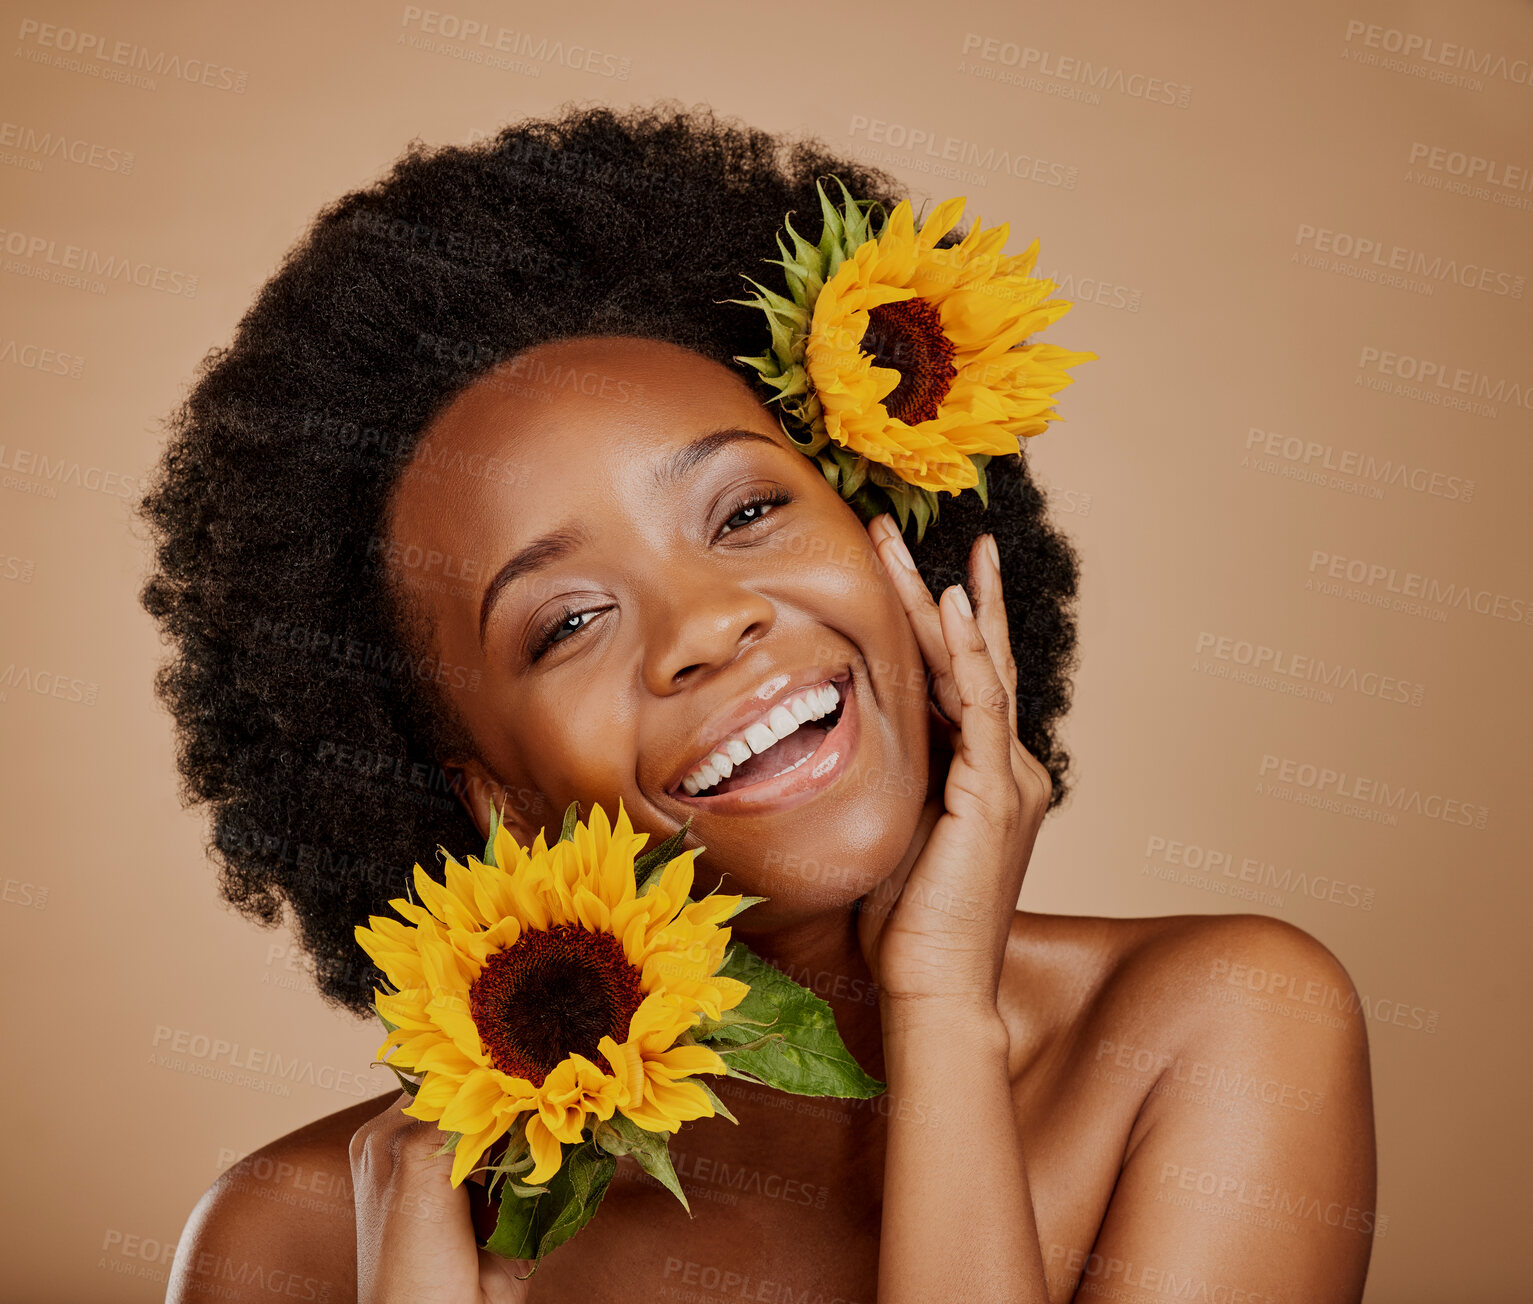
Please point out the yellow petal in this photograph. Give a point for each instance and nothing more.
(474, 1104)
(471, 1147)
(940, 221)
(547, 1153)
(680, 1061)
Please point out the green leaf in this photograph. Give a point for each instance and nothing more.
(804, 1052)
(652, 863)
(705, 1027)
(650, 1149)
(529, 1227)
(571, 818)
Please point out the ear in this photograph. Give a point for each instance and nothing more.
(522, 811)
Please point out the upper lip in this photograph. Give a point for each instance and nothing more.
(755, 705)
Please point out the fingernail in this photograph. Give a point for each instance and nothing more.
(961, 600)
(993, 552)
(900, 550)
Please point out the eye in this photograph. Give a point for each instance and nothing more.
(755, 506)
(568, 621)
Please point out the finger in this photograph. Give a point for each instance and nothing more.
(920, 610)
(984, 560)
(982, 766)
(990, 612)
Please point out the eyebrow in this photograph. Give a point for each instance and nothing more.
(560, 542)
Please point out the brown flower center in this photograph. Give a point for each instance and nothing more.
(556, 992)
(908, 337)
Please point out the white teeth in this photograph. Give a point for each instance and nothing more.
(760, 737)
(781, 722)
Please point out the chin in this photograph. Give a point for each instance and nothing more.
(814, 865)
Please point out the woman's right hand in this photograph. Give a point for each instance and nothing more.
(415, 1231)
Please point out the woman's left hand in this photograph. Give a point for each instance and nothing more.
(940, 930)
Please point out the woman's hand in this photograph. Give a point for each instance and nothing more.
(415, 1231)
(939, 930)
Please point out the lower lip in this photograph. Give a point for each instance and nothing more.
(807, 780)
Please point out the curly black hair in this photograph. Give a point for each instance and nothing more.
(308, 711)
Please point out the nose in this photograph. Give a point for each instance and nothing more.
(700, 621)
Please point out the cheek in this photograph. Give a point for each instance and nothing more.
(550, 755)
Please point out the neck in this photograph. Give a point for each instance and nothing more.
(825, 954)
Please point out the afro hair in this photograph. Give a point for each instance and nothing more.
(306, 706)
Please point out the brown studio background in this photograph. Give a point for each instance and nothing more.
(1199, 206)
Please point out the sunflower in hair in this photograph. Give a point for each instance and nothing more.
(903, 366)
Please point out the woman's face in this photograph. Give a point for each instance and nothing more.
(627, 566)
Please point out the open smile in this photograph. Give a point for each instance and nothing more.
(794, 769)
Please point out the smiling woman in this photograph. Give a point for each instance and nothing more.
(479, 511)
(671, 587)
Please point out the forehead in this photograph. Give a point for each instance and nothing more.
(632, 391)
(548, 429)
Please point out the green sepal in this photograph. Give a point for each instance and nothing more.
(854, 476)
(408, 1084)
(746, 902)
(921, 508)
(531, 1227)
(805, 437)
(719, 1107)
(571, 818)
(489, 842)
(803, 1053)
(449, 1145)
(515, 1159)
(982, 485)
(648, 867)
(620, 1135)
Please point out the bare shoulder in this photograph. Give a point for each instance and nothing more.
(280, 1222)
(1178, 983)
(1227, 1056)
